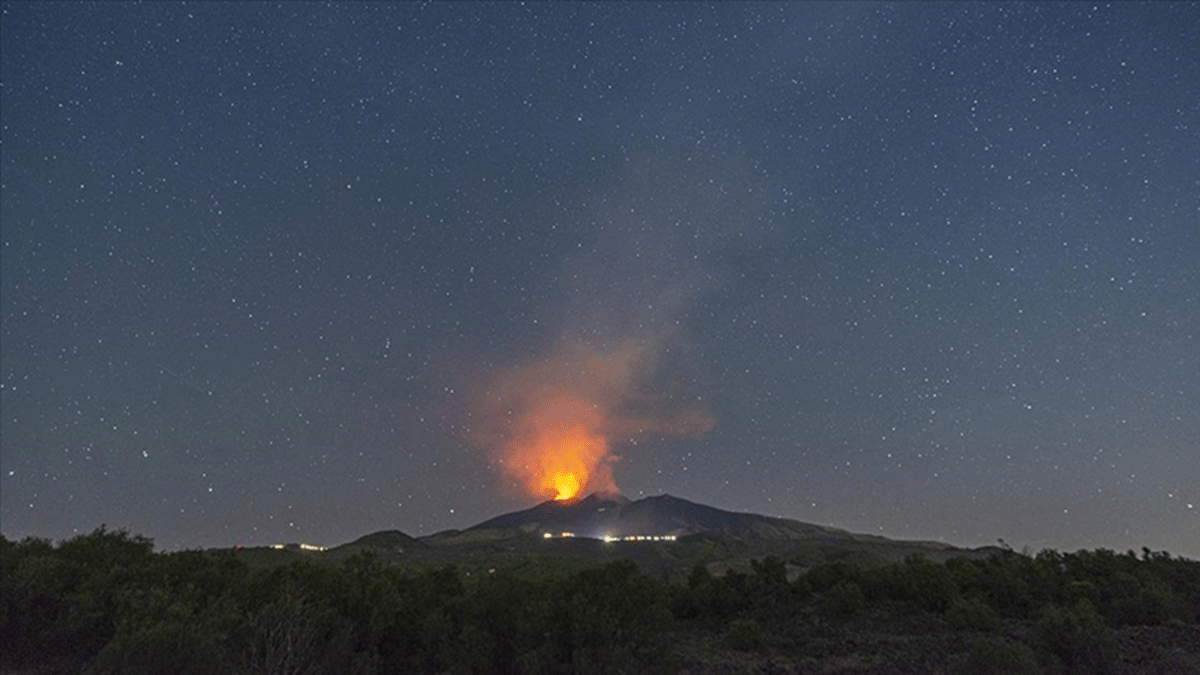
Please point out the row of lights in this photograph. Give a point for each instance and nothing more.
(642, 537)
(610, 538)
(303, 547)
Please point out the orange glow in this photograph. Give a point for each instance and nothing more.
(551, 423)
(556, 448)
(567, 485)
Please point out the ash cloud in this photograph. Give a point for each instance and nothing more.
(620, 366)
(563, 412)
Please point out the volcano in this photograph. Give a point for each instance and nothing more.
(678, 534)
(612, 515)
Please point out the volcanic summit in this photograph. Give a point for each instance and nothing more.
(602, 515)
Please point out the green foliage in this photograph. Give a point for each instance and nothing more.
(972, 614)
(105, 602)
(997, 656)
(609, 619)
(771, 572)
(175, 641)
(917, 581)
(745, 635)
(60, 604)
(710, 597)
(824, 577)
(844, 601)
(1076, 640)
(506, 624)
(810, 556)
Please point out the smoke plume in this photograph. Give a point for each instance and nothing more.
(622, 368)
(553, 422)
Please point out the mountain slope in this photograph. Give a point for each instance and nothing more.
(386, 541)
(599, 515)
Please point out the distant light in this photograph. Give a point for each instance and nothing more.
(609, 538)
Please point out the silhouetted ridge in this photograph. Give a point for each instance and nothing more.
(613, 515)
(392, 540)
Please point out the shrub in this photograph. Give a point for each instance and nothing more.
(1076, 640)
(844, 601)
(997, 656)
(745, 635)
(972, 614)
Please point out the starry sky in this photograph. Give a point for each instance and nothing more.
(928, 271)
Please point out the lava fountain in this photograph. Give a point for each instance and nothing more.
(557, 446)
(551, 423)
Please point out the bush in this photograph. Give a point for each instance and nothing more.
(169, 647)
(972, 614)
(105, 602)
(1076, 640)
(609, 619)
(745, 635)
(996, 656)
(844, 601)
(919, 582)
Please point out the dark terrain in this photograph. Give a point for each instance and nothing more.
(733, 593)
(719, 539)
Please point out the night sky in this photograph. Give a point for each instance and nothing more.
(290, 272)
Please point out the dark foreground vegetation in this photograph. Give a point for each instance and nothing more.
(107, 603)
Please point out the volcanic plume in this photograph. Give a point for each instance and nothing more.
(552, 422)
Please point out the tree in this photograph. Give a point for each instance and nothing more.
(1076, 640)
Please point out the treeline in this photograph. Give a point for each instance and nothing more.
(1049, 613)
(107, 603)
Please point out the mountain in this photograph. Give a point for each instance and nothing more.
(384, 541)
(600, 515)
(716, 538)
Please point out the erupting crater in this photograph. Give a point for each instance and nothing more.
(567, 485)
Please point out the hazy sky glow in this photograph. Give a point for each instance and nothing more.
(926, 270)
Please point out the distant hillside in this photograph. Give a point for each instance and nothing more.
(386, 541)
(597, 516)
(713, 537)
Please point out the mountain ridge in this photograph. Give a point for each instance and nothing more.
(676, 534)
(598, 516)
